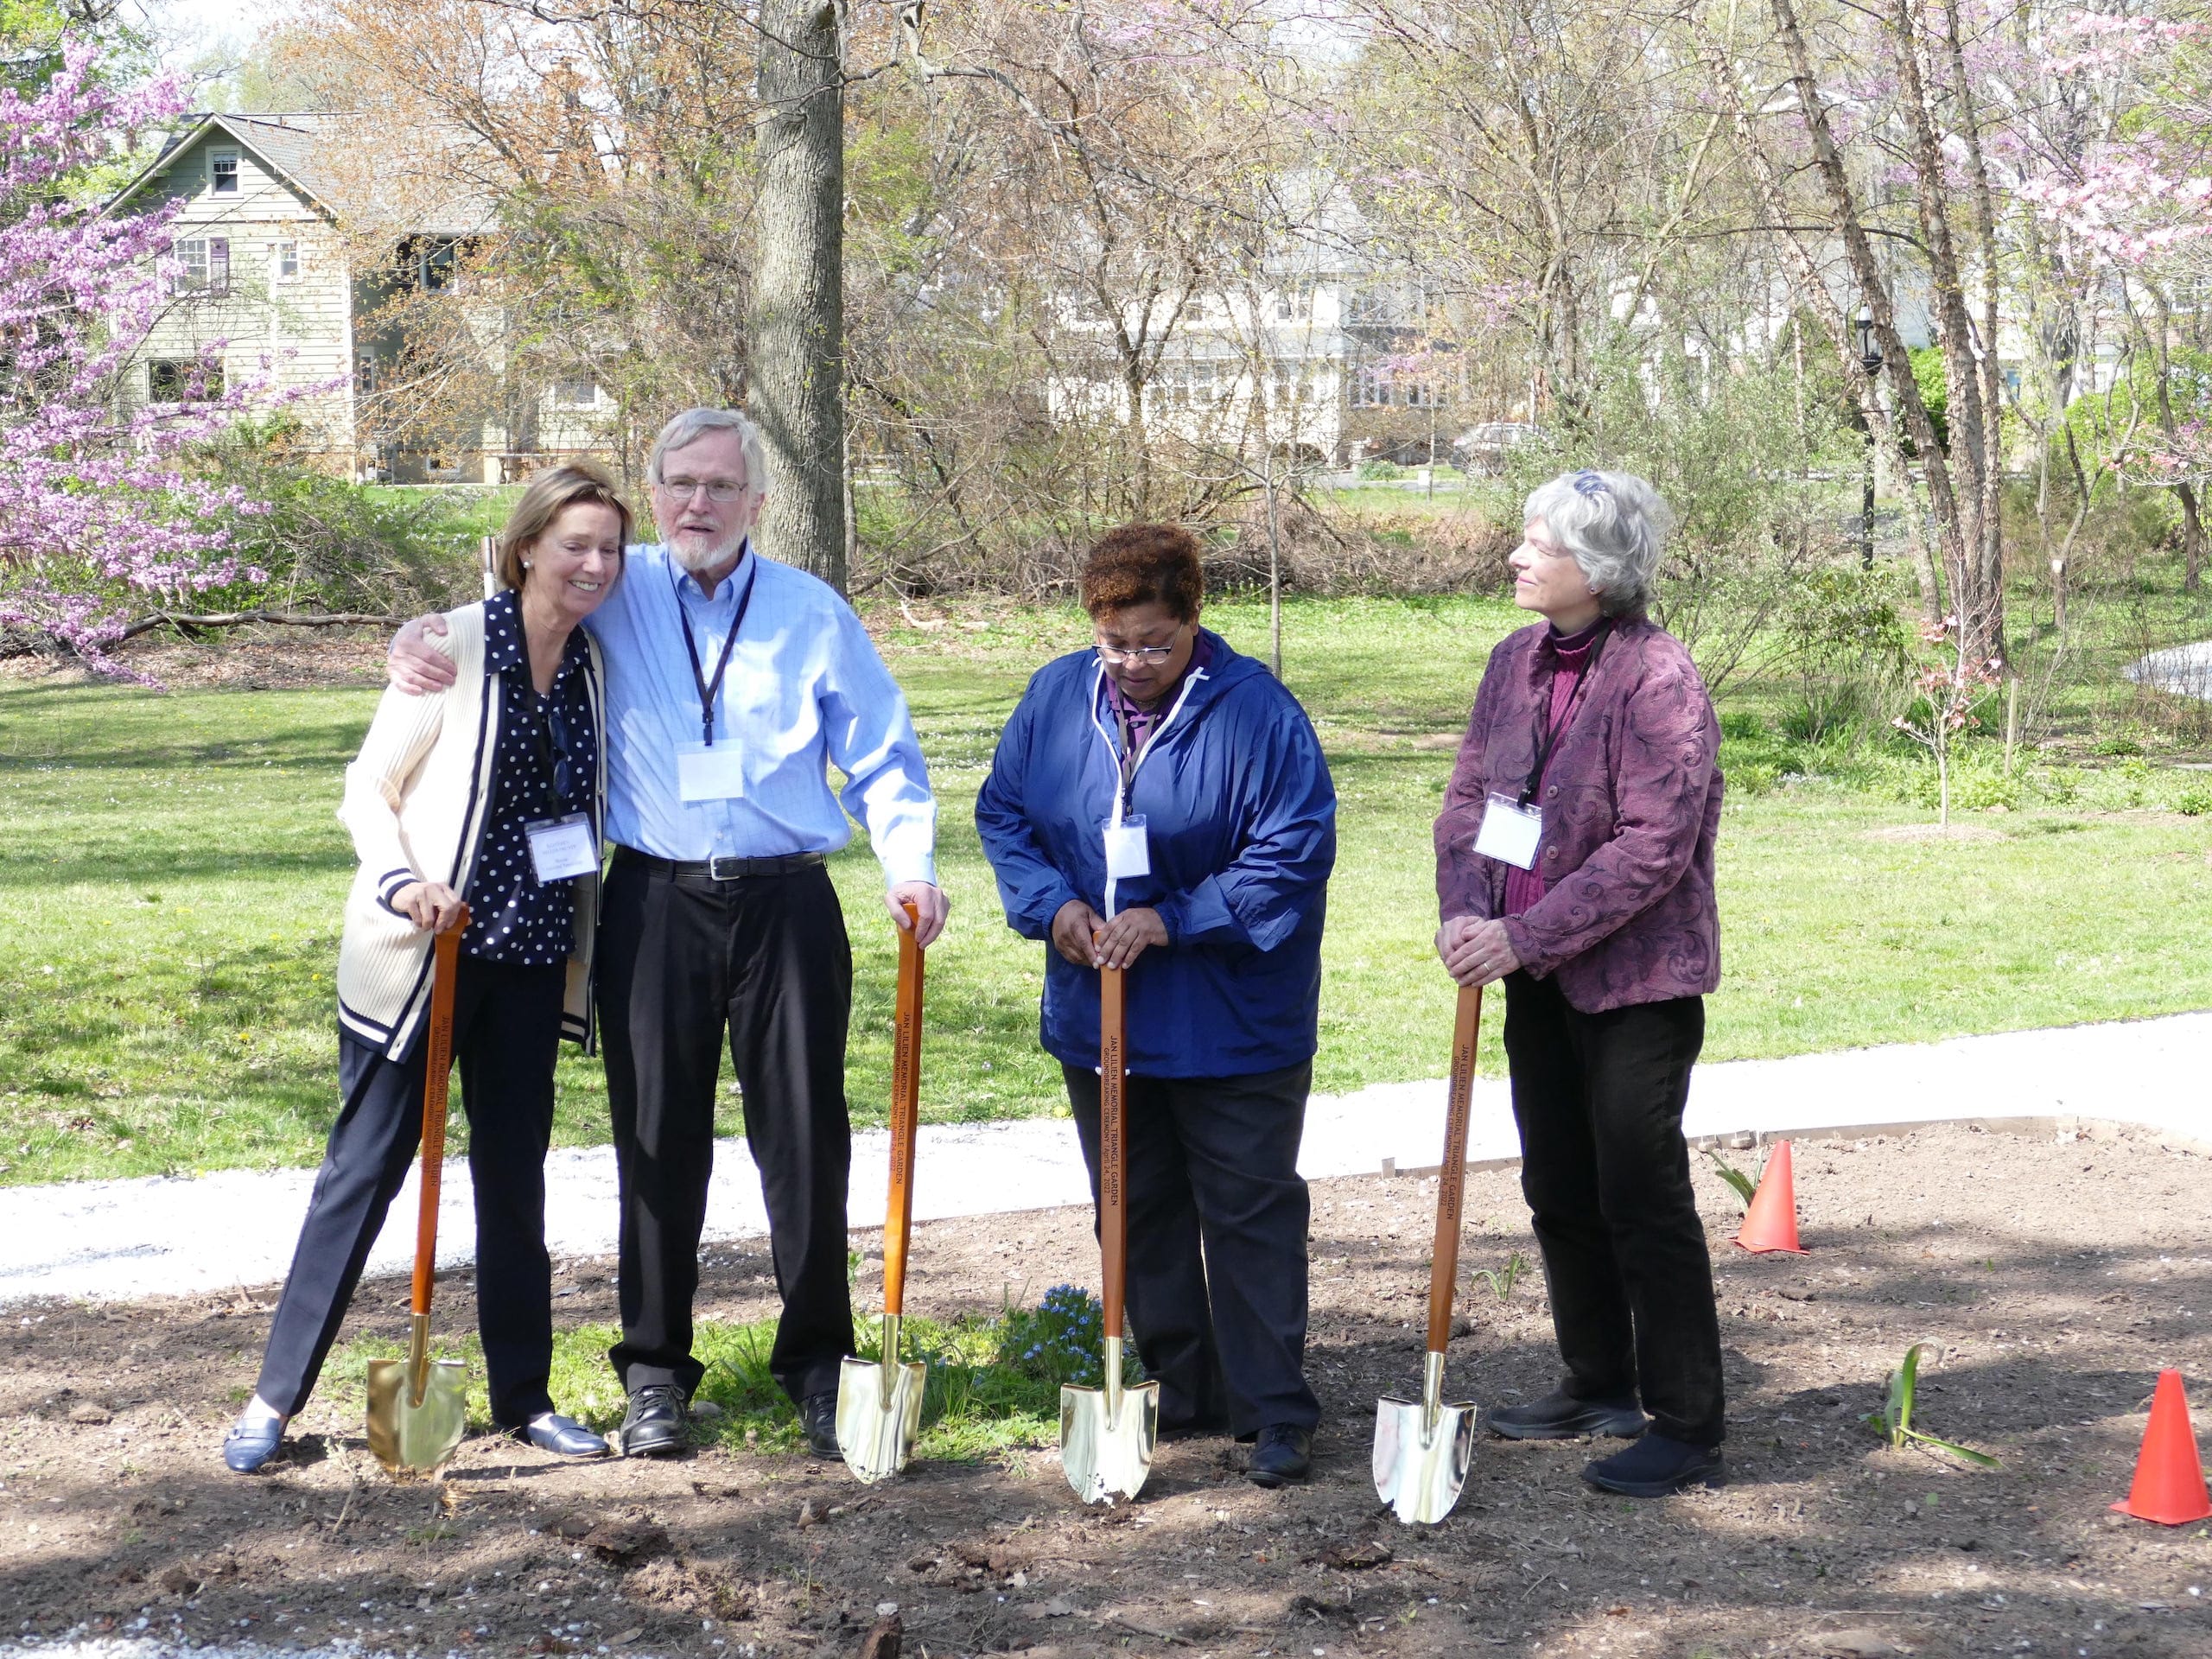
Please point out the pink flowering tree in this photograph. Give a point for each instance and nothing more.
(98, 510)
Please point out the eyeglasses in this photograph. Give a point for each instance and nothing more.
(720, 491)
(1151, 656)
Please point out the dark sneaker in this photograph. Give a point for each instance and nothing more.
(1655, 1466)
(1284, 1452)
(817, 1415)
(1561, 1417)
(653, 1426)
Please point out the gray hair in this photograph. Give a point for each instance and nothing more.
(694, 424)
(1615, 524)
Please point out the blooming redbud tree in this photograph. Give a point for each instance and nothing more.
(97, 511)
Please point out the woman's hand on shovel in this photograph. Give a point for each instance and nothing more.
(1475, 951)
(431, 905)
(1123, 939)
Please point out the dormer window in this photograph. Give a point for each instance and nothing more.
(222, 172)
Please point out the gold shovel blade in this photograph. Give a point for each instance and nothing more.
(876, 1433)
(1419, 1470)
(1108, 1456)
(405, 1436)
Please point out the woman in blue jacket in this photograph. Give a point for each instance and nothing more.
(1205, 778)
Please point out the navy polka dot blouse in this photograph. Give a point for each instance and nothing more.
(547, 765)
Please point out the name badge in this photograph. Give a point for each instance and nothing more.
(1128, 852)
(561, 848)
(1510, 832)
(708, 772)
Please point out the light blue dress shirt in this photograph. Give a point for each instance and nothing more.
(805, 690)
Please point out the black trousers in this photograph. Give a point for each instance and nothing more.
(685, 963)
(506, 1034)
(1598, 1098)
(1218, 1215)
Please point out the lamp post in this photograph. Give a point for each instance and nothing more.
(1869, 358)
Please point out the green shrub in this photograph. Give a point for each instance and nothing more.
(1060, 1340)
(1742, 725)
(1380, 472)
(1752, 778)
(2194, 801)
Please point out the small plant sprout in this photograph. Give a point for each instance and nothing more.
(1745, 1185)
(1895, 1418)
(1501, 1282)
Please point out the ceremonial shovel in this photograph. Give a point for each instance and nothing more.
(1107, 1434)
(880, 1401)
(418, 1406)
(1422, 1449)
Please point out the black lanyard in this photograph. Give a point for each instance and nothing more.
(709, 690)
(1546, 737)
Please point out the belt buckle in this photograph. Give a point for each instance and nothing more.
(726, 868)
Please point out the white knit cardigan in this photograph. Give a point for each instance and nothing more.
(417, 800)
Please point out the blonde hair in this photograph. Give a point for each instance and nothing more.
(552, 493)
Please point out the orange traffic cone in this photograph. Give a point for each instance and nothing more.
(1772, 1221)
(2168, 1475)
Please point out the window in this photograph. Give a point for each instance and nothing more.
(432, 266)
(1371, 388)
(223, 172)
(206, 262)
(285, 256)
(182, 380)
(577, 392)
(1295, 303)
(365, 374)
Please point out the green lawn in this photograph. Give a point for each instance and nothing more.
(173, 874)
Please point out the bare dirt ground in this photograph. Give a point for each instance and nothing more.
(2059, 1275)
(249, 660)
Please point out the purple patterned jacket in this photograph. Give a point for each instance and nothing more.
(1631, 804)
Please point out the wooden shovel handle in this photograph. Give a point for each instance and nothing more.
(445, 961)
(905, 1113)
(1451, 1183)
(1113, 1150)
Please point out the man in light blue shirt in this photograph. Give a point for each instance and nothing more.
(734, 683)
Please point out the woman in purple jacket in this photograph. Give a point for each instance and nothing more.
(1575, 861)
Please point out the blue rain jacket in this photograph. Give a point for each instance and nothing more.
(1241, 822)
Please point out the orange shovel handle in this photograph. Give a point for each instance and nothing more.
(1113, 1149)
(445, 962)
(1452, 1182)
(905, 1114)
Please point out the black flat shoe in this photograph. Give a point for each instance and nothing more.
(1655, 1466)
(1561, 1417)
(653, 1426)
(1283, 1452)
(564, 1437)
(817, 1415)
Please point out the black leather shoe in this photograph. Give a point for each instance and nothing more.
(653, 1426)
(564, 1437)
(1655, 1466)
(817, 1415)
(1561, 1417)
(1284, 1452)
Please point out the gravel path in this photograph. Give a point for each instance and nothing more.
(111, 1241)
(2186, 671)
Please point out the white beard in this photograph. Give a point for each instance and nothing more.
(720, 553)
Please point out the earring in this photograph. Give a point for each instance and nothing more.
(526, 564)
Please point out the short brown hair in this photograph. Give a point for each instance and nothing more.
(552, 493)
(1145, 565)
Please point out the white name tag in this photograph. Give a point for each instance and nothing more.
(1128, 852)
(708, 772)
(1510, 832)
(561, 848)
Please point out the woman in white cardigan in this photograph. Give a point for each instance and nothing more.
(490, 792)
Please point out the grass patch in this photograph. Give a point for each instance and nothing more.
(994, 1383)
(175, 874)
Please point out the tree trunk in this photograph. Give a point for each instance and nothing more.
(798, 370)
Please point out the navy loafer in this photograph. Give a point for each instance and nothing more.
(1655, 1466)
(564, 1437)
(246, 1446)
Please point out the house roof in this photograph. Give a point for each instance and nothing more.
(423, 187)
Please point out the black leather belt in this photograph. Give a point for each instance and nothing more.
(721, 870)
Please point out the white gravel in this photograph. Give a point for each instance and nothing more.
(116, 1241)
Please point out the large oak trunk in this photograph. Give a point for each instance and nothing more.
(797, 378)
